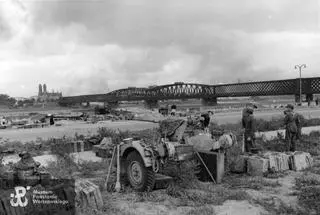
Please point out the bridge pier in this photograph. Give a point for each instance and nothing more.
(209, 101)
(150, 104)
(309, 97)
(297, 98)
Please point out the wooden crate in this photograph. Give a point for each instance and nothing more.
(215, 163)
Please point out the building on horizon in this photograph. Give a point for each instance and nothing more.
(45, 96)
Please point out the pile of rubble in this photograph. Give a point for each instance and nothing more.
(271, 162)
(73, 146)
(114, 115)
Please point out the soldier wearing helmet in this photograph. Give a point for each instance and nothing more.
(291, 128)
(248, 123)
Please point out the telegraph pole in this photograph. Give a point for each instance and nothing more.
(300, 68)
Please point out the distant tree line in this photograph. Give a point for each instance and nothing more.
(27, 102)
(7, 100)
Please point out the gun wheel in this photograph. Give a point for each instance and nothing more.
(141, 178)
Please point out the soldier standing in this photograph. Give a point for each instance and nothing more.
(248, 123)
(245, 112)
(298, 120)
(291, 130)
(206, 120)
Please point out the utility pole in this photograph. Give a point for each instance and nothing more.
(300, 68)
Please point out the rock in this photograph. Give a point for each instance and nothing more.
(300, 161)
(277, 161)
(257, 165)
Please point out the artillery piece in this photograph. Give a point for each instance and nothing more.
(141, 163)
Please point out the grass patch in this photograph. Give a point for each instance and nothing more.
(276, 206)
(309, 197)
(307, 180)
(35, 148)
(255, 183)
(64, 168)
(274, 175)
(308, 186)
(183, 174)
(89, 168)
(215, 195)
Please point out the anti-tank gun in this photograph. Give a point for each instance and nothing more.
(141, 162)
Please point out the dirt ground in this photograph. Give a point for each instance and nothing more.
(253, 197)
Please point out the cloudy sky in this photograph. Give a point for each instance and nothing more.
(90, 46)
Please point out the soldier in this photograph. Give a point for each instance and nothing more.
(298, 120)
(250, 128)
(206, 120)
(51, 119)
(291, 130)
(245, 112)
(173, 109)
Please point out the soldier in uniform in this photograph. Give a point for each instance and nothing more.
(298, 119)
(206, 117)
(245, 112)
(291, 129)
(250, 128)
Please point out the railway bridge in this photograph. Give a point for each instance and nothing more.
(208, 93)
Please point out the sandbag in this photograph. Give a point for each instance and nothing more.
(277, 161)
(203, 143)
(300, 161)
(257, 166)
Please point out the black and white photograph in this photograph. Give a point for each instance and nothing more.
(171, 107)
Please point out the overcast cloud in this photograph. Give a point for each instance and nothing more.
(90, 46)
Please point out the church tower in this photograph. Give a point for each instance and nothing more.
(45, 89)
(40, 90)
